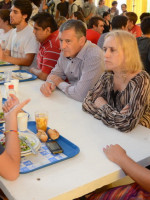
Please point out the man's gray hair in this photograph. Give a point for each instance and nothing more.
(77, 25)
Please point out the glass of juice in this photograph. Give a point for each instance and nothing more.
(41, 119)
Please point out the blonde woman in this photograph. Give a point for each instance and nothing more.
(121, 96)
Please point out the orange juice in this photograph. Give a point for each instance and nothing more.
(41, 120)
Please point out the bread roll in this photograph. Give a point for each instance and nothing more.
(42, 135)
(53, 134)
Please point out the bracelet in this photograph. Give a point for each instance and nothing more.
(10, 131)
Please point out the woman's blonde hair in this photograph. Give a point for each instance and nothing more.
(127, 42)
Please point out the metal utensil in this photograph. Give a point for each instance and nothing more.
(28, 143)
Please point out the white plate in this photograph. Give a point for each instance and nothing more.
(23, 76)
(32, 138)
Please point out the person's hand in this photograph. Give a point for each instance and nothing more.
(12, 107)
(100, 101)
(10, 103)
(56, 79)
(47, 88)
(125, 109)
(115, 153)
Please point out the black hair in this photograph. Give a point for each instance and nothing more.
(24, 6)
(79, 16)
(145, 25)
(119, 21)
(44, 20)
(145, 14)
(114, 3)
(105, 14)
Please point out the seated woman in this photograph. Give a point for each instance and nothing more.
(121, 96)
(10, 156)
(139, 190)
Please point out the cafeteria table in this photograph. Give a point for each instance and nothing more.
(88, 170)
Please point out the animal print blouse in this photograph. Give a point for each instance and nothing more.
(136, 95)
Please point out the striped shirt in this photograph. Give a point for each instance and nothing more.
(136, 95)
(82, 72)
(49, 53)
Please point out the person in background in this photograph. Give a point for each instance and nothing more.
(113, 10)
(144, 43)
(80, 62)
(46, 32)
(101, 8)
(62, 9)
(121, 96)
(145, 14)
(6, 4)
(60, 20)
(10, 155)
(48, 6)
(132, 27)
(35, 9)
(89, 10)
(96, 27)
(118, 22)
(107, 24)
(124, 9)
(140, 190)
(22, 45)
(6, 26)
(72, 8)
(78, 16)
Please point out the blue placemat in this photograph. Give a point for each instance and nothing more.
(45, 157)
(5, 64)
(22, 71)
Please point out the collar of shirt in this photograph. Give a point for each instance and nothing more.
(50, 37)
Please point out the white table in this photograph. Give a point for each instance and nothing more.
(90, 169)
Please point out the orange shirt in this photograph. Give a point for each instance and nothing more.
(92, 35)
(136, 30)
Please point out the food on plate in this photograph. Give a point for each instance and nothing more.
(1, 116)
(42, 135)
(1, 77)
(53, 134)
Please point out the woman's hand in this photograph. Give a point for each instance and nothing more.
(12, 105)
(115, 153)
(100, 101)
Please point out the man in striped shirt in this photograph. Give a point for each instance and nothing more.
(80, 62)
(45, 30)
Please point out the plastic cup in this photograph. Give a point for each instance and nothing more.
(15, 82)
(8, 75)
(22, 119)
(41, 119)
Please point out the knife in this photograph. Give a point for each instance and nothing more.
(29, 144)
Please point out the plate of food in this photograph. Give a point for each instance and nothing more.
(25, 149)
(2, 117)
(5, 63)
(32, 139)
(21, 75)
(2, 77)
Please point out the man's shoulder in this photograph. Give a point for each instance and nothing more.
(91, 49)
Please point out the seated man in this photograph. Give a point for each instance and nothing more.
(96, 27)
(80, 62)
(5, 4)
(22, 45)
(45, 30)
(132, 27)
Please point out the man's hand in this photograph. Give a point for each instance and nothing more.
(47, 88)
(100, 101)
(56, 79)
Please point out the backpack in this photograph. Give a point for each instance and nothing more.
(79, 9)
